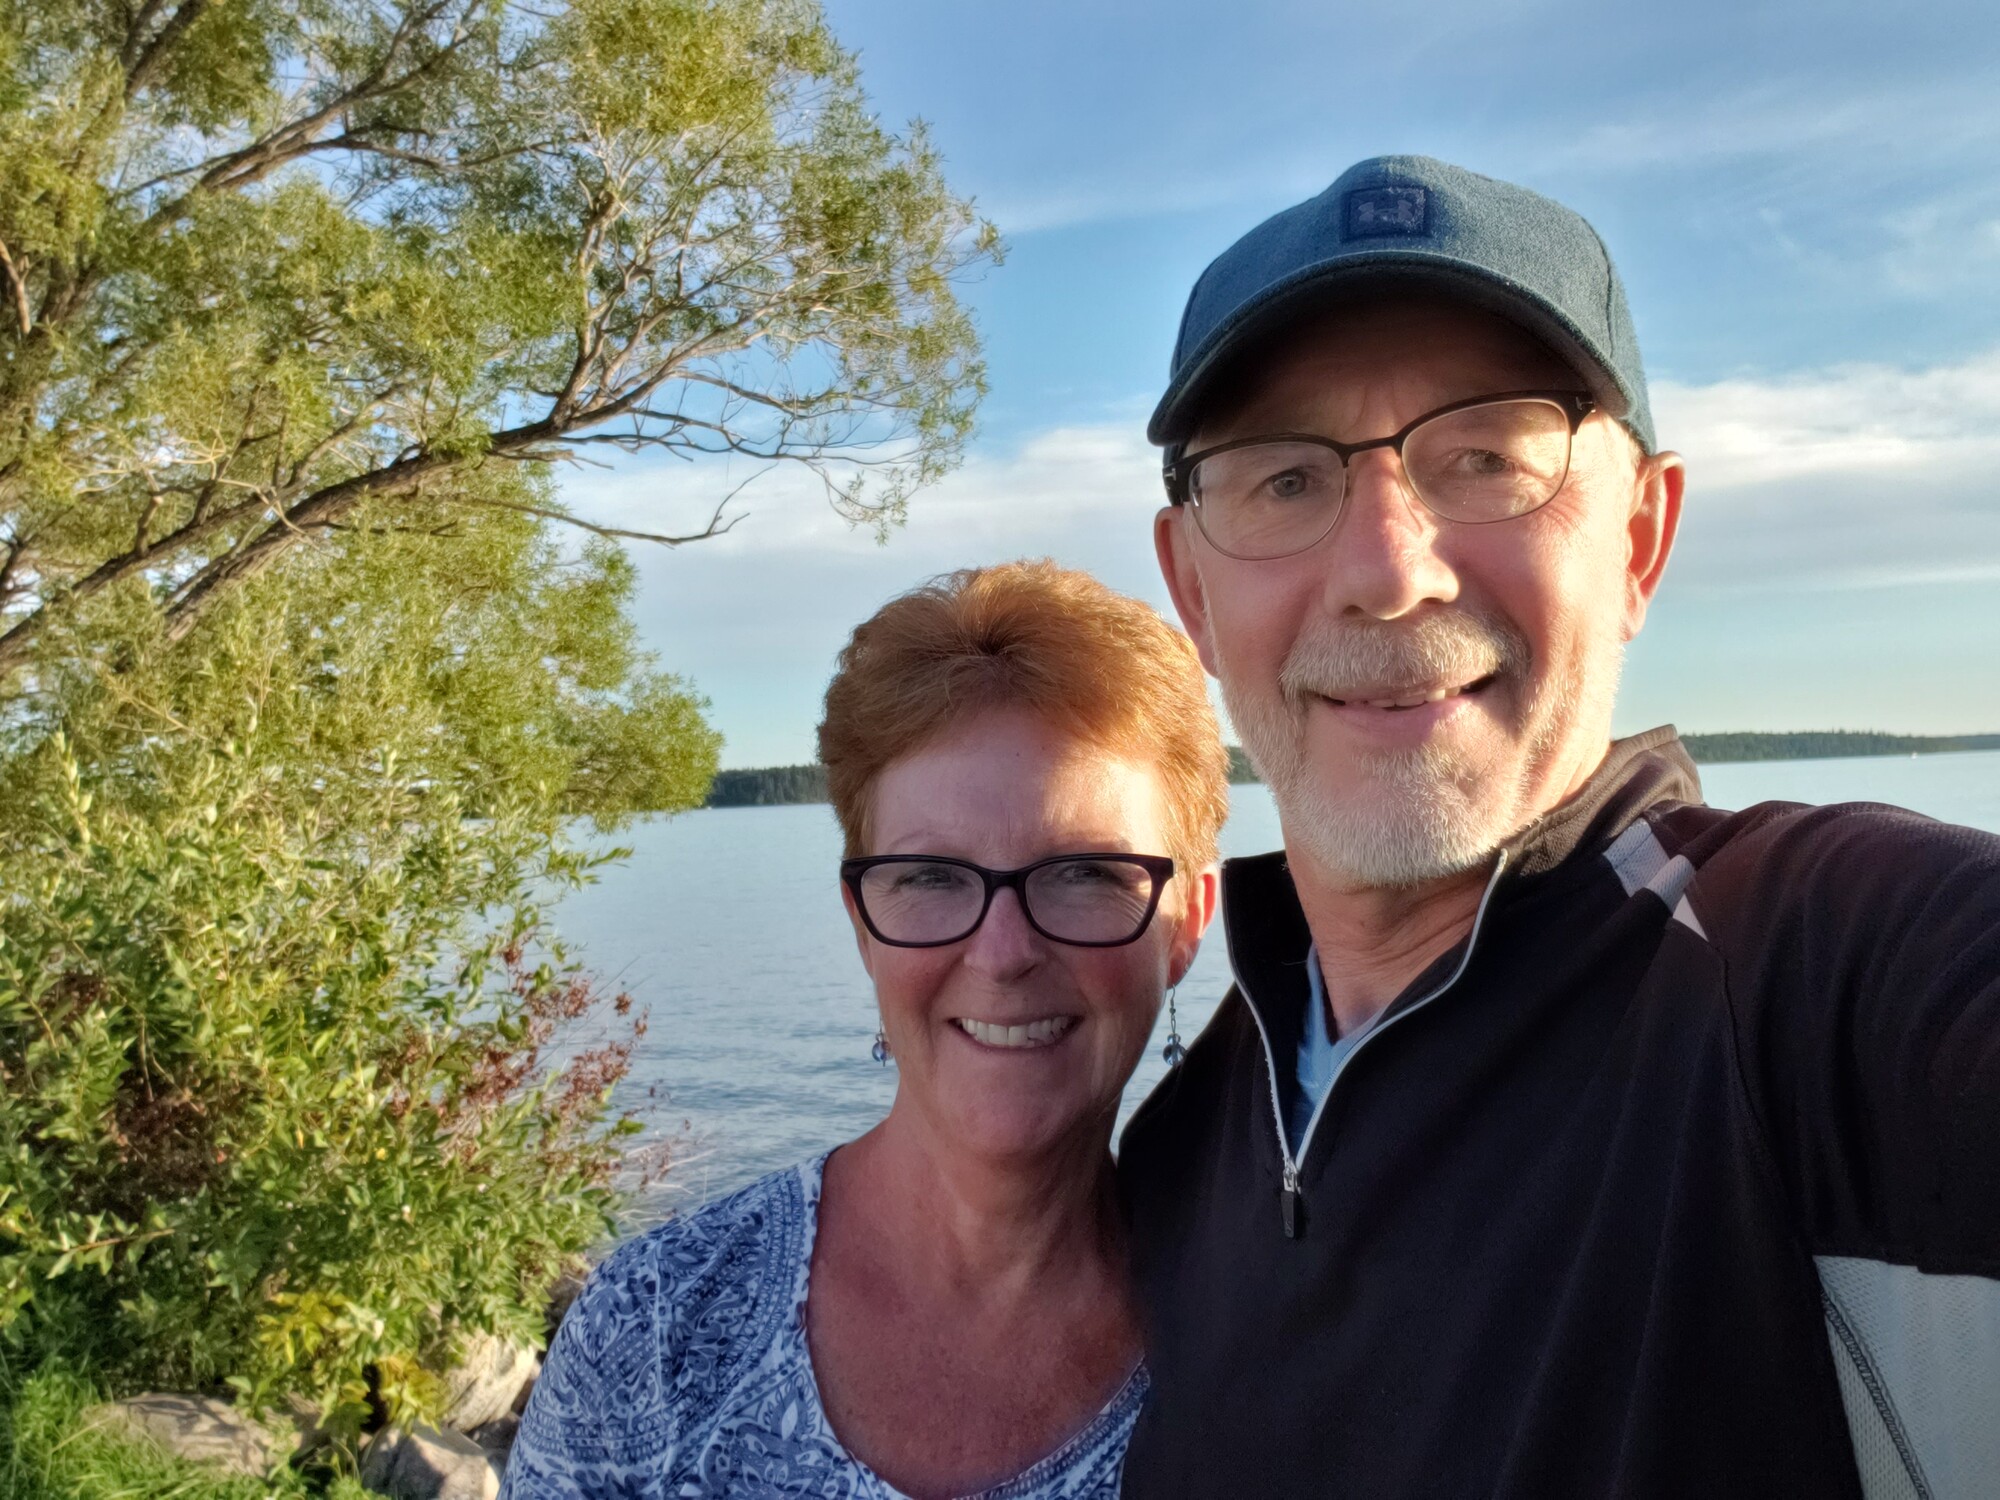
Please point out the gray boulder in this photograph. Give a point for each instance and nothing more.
(202, 1429)
(427, 1464)
(490, 1375)
(497, 1438)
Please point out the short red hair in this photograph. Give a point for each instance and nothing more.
(1034, 636)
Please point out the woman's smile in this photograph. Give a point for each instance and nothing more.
(1017, 1036)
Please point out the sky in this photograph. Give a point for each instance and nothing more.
(1803, 200)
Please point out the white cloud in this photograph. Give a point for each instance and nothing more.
(1849, 419)
(1862, 476)
(1787, 119)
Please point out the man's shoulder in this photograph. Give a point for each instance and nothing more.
(1846, 844)
(1831, 874)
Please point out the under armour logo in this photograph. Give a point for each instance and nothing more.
(1387, 210)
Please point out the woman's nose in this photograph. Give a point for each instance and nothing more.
(1004, 946)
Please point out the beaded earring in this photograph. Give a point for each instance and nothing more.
(1173, 1052)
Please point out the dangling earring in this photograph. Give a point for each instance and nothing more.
(1173, 1052)
(880, 1051)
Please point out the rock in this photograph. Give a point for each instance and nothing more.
(488, 1377)
(203, 1429)
(425, 1463)
(306, 1421)
(497, 1437)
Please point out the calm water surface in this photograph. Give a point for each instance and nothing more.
(726, 925)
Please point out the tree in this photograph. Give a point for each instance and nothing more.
(264, 263)
(305, 667)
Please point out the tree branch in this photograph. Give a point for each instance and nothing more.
(17, 278)
(141, 58)
(715, 527)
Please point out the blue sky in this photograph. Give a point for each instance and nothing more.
(1804, 200)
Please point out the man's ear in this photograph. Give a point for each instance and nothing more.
(1650, 532)
(1173, 543)
(1205, 893)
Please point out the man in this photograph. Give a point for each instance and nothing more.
(1562, 1135)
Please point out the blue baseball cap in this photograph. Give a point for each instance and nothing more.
(1392, 222)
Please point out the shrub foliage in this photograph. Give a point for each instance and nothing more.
(294, 1085)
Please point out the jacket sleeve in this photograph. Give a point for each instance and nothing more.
(1862, 947)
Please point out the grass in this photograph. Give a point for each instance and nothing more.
(50, 1451)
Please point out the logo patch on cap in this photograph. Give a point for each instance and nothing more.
(1388, 210)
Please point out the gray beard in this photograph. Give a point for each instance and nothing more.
(1414, 815)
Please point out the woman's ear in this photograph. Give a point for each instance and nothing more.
(1204, 895)
(861, 939)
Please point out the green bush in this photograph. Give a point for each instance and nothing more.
(295, 1086)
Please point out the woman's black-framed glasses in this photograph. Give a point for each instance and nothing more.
(1492, 458)
(1086, 900)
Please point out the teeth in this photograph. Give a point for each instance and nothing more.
(1414, 700)
(1034, 1034)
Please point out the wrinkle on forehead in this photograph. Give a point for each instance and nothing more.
(1348, 372)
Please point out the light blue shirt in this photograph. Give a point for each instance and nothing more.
(683, 1371)
(1320, 1054)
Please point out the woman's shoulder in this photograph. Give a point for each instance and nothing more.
(767, 1220)
(666, 1327)
(716, 1266)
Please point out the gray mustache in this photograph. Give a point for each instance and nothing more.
(1375, 659)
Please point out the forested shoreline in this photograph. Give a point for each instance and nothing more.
(770, 786)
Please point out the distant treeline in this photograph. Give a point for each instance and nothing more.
(768, 786)
(1828, 744)
(776, 784)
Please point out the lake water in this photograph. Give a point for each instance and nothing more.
(726, 925)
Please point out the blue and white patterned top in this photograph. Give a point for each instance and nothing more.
(682, 1370)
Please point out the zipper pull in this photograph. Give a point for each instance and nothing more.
(1288, 1201)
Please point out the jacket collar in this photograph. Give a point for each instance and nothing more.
(1266, 928)
(1637, 773)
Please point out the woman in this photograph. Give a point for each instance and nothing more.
(1030, 782)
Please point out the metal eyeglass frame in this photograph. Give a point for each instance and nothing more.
(1576, 405)
(1158, 866)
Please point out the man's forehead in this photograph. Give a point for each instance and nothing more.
(1392, 349)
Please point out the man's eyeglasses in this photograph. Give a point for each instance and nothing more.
(927, 901)
(1489, 459)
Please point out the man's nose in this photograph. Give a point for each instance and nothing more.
(1382, 556)
(1004, 947)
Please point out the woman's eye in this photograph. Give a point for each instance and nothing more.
(927, 878)
(1095, 873)
(1082, 874)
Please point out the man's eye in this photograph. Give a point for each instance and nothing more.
(1483, 463)
(1290, 484)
